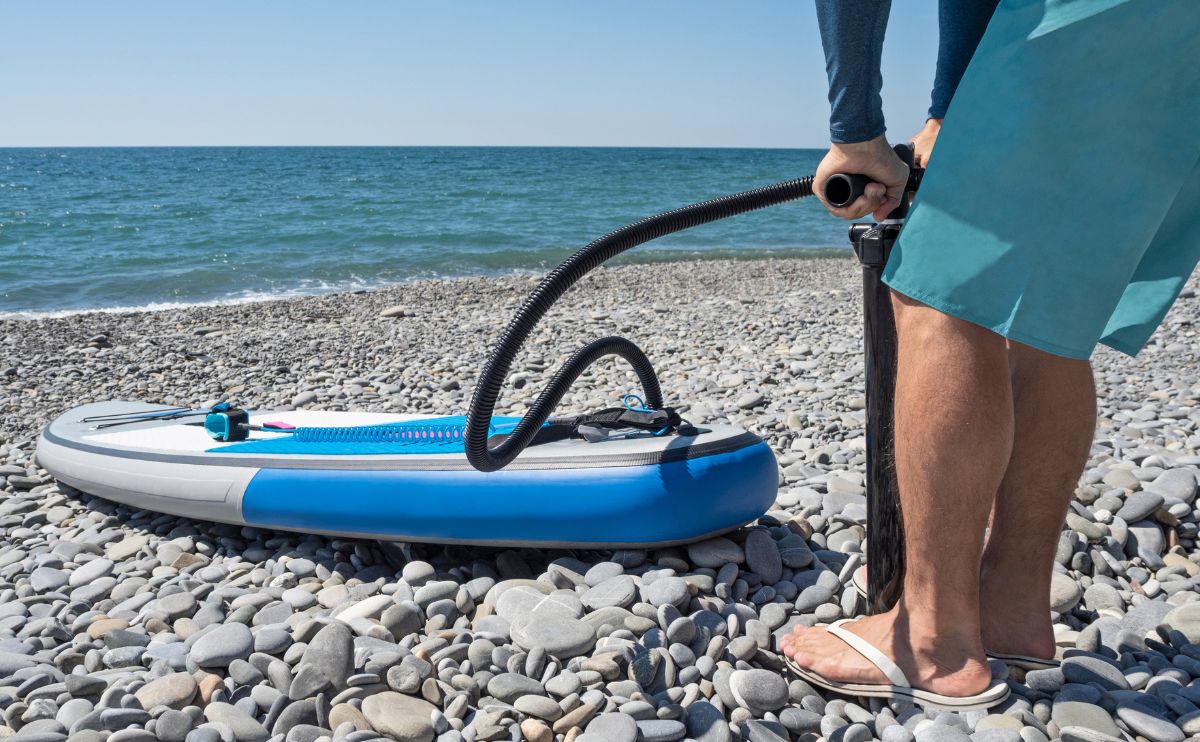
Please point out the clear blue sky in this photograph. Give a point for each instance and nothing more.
(728, 73)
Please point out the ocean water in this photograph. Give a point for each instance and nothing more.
(108, 228)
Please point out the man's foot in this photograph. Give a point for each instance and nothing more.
(1014, 620)
(949, 666)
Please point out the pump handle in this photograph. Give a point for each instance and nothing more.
(843, 189)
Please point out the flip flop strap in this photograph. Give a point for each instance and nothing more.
(873, 655)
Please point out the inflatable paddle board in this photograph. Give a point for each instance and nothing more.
(406, 478)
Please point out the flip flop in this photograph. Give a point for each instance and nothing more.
(1026, 662)
(1023, 661)
(899, 689)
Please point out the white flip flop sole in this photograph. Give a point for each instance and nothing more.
(1023, 661)
(899, 689)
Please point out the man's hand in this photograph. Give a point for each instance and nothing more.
(923, 140)
(874, 159)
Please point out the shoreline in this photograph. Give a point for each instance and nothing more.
(732, 255)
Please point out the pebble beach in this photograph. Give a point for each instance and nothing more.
(126, 625)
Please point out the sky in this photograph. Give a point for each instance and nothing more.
(678, 73)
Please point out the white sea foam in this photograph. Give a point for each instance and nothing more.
(310, 288)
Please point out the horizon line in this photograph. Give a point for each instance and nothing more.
(400, 146)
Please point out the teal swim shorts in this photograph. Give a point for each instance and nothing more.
(1061, 206)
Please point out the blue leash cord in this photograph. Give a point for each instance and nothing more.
(637, 404)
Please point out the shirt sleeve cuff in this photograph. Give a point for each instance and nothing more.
(851, 135)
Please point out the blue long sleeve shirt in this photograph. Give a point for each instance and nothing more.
(852, 34)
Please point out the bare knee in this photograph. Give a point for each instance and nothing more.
(1069, 380)
(919, 323)
(1028, 360)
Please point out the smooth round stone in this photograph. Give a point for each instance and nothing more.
(762, 556)
(272, 641)
(682, 630)
(91, 571)
(307, 733)
(1177, 483)
(432, 592)
(660, 730)
(706, 724)
(212, 573)
(1064, 593)
(1046, 681)
(666, 591)
(299, 598)
(1088, 715)
(1085, 670)
(173, 726)
(1190, 723)
(715, 553)
(563, 684)
(177, 605)
(1099, 596)
(123, 657)
(619, 591)
(222, 645)
(244, 726)
(794, 551)
(857, 732)
(173, 691)
(509, 686)
(602, 571)
(760, 691)
(616, 727)
(743, 647)
(1144, 618)
(893, 733)
(1122, 478)
(333, 596)
(301, 567)
(940, 733)
(371, 607)
(996, 734)
(522, 603)
(403, 717)
(1139, 505)
(85, 685)
(1148, 537)
(405, 619)
(811, 597)
(1083, 734)
(417, 573)
(46, 579)
(560, 636)
(1186, 620)
(1150, 725)
(72, 711)
(332, 651)
(538, 706)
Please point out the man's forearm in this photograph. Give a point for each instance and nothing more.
(852, 35)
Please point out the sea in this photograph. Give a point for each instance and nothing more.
(117, 229)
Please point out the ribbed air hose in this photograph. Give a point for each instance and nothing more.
(554, 285)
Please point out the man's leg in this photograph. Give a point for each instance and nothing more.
(1055, 410)
(954, 433)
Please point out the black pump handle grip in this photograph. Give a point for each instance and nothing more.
(843, 189)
